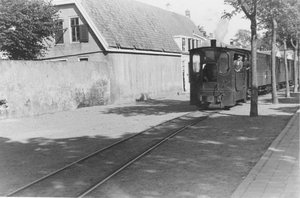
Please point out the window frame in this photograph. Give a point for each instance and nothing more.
(228, 63)
(83, 58)
(60, 32)
(183, 43)
(197, 63)
(205, 55)
(77, 30)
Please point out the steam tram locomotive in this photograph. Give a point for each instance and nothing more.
(221, 76)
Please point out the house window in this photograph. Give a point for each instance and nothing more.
(59, 33)
(183, 44)
(83, 59)
(79, 32)
(75, 29)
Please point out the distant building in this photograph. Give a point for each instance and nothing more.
(125, 33)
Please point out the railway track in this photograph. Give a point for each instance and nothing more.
(83, 176)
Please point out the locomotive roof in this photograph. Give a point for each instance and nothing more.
(227, 48)
(240, 50)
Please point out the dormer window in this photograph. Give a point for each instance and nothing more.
(75, 29)
(183, 44)
(79, 32)
(59, 33)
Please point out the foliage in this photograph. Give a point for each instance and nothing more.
(201, 29)
(279, 17)
(291, 21)
(281, 11)
(264, 42)
(242, 38)
(26, 26)
(247, 6)
(286, 13)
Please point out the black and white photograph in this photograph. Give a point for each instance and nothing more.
(150, 98)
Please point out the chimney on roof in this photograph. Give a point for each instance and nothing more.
(188, 13)
(168, 6)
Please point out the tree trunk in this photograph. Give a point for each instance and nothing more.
(273, 54)
(295, 77)
(254, 84)
(295, 68)
(298, 66)
(287, 87)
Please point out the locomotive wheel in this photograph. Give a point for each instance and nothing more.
(244, 100)
(248, 94)
(226, 107)
(203, 106)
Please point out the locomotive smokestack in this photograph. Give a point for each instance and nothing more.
(213, 43)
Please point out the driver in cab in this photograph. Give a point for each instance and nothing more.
(238, 64)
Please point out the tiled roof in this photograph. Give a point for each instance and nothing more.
(130, 24)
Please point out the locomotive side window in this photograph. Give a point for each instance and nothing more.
(196, 63)
(238, 62)
(223, 63)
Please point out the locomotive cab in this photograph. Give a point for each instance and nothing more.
(217, 76)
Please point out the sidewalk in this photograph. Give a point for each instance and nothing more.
(276, 175)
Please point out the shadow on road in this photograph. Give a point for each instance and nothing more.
(208, 159)
(152, 107)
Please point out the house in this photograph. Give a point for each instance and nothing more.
(145, 47)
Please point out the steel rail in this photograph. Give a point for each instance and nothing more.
(96, 185)
(88, 156)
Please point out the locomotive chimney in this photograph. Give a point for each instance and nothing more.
(188, 13)
(213, 43)
(168, 7)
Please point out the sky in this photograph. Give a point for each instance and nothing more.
(206, 13)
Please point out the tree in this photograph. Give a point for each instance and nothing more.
(201, 29)
(287, 83)
(281, 16)
(264, 42)
(243, 38)
(294, 12)
(270, 13)
(249, 7)
(284, 32)
(273, 54)
(26, 26)
(282, 13)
